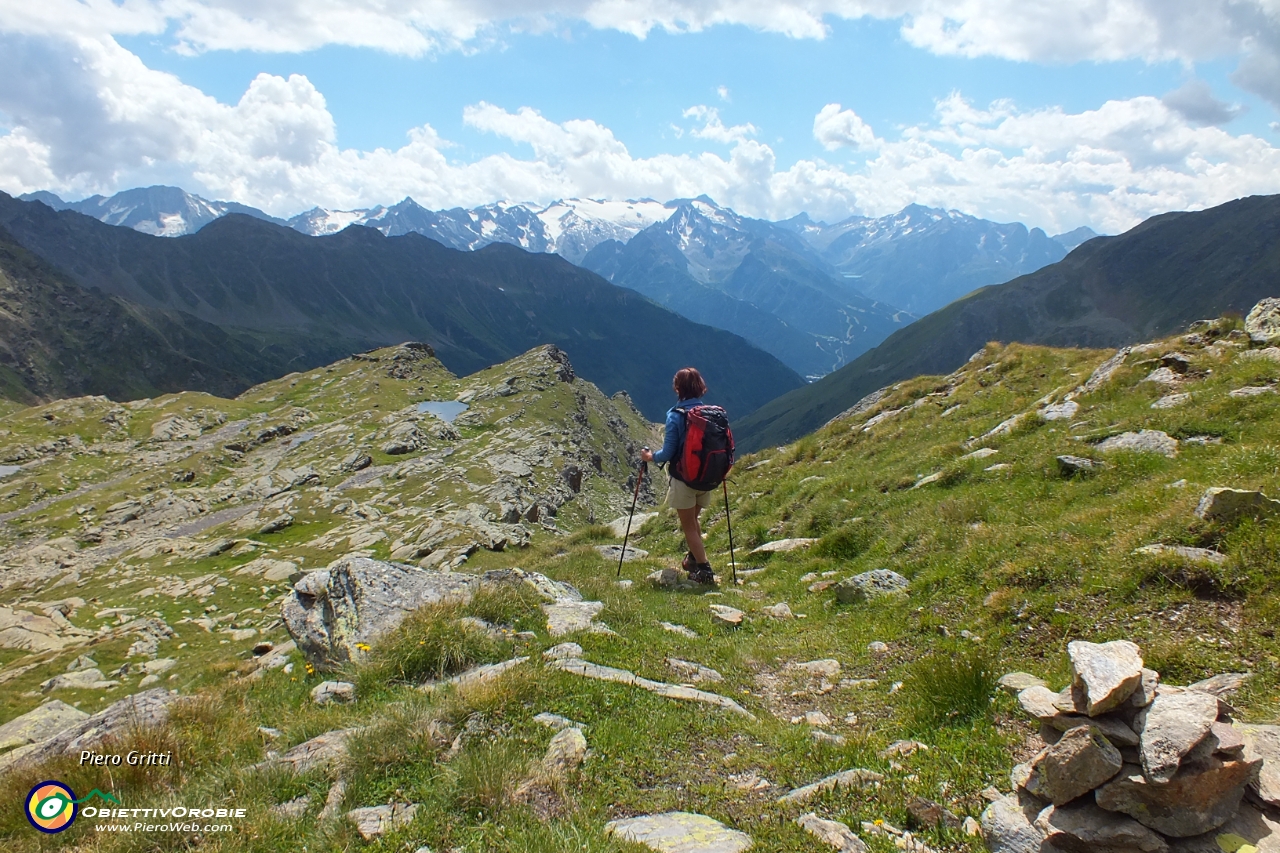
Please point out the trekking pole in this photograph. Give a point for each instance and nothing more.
(732, 560)
(644, 466)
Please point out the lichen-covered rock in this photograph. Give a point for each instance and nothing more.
(1171, 726)
(143, 710)
(869, 585)
(1007, 826)
(1200, 798)
(1145, 441)
(356, 600)
(1230, 505)
(680, 832)
(1263, 322)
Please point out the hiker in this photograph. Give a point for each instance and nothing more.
(697, 466)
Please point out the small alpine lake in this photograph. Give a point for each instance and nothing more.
(445, 410)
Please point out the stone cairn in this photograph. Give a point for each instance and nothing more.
(1136, 765)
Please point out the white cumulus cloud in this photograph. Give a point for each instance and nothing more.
(840, 128)
(276, 148)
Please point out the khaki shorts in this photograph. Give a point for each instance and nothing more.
(680, 496)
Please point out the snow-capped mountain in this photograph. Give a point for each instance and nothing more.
(753, 278)
(162, 211)
(569, 227)
(922, 258)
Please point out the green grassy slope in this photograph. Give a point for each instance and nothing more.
(1148, 282)
(1008, 560)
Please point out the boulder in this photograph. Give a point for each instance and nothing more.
(1080, 761)
(566, 617)
(143, 710)
(832, 833)
(869, 585)
(356, 600)
(613, 552)
(781, 610)
(1230, 505)
(1146, 441)
(565, 754)
(680, 832)
(1263, 322)
(321, 752)
(1084, 828)
(81, 679)
(1200, 798)
(1039, 701)
(1105, 674)
(1171, 726)
(39, 724)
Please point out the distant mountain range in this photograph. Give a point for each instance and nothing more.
(813, 295)
(1111, 291)
(290, 302)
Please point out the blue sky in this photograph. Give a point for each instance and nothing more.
(1057, 121)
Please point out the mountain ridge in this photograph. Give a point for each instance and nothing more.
(1168, 271)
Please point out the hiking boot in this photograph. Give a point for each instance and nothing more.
(701, 573)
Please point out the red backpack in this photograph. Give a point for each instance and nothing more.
(706, 456)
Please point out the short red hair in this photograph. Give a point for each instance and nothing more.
(688, 383)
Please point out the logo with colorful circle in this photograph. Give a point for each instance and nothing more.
(52, 806)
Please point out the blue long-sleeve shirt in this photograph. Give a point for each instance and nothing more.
(674, 436)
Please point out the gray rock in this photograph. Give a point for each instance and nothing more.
(1184, 552)
(783, 546)
(356, 600)
(870, 585)
(1248, 824)
(680, 832)
(693, 672)
(1146, 441)
(376, 821)
(81, 679)
(1263, 322)
(679, 629)
(1112, 728)
(39, 724)
(612, 552)
(144, 710)
(1080, 761)
(1171, 401)
(781, 610)
(1084, 828)
(1070, 466)
(1200, 798)
(730, 617)
(824, 668)
(565, 754)
(563, 650)
(333, 691)
(357, 461)
(1106, 674)
(1221, 685)
(619, 525)
(1250, 391)
(1230, 505)
(1016, 682)
(856, 778)
(1007, 828)
(322, 751)
(1171, 726)
(832, 833)
(586, 669)
(1060, 411)
(1262, 743)
(1146, 692)
(1039, 701)
(333, 802)
(293, 809)
(566, 617)
(555, 721)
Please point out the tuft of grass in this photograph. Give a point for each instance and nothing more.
(430, 644)
(485, 777)
(950, 689)
(847, 542)
(504, 604)
(595, 533)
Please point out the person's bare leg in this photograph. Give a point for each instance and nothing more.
(692, 532)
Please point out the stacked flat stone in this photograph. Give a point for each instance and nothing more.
(1135, 765)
